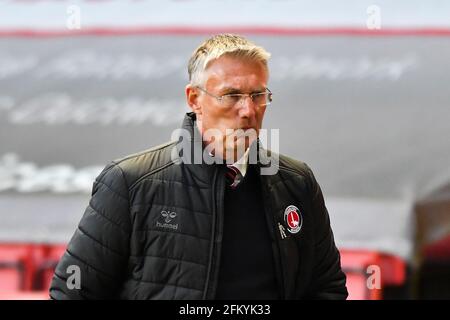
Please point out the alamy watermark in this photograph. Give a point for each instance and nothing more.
(373, 21)
(74, 280)
(374, 279)
(228, 147)
(73, 21)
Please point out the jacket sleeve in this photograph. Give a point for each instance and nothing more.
(96, 257)
(328, 280)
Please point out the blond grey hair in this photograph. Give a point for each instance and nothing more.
(219, 45)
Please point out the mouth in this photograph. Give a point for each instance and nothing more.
(244, 133)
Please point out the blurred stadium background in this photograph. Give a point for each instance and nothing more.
(361, 93)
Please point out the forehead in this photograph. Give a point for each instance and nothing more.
(238, 73)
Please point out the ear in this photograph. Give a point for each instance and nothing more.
(192, 98)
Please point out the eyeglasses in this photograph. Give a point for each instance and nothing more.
(260, 99)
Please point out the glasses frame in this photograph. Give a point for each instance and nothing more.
(240, 95)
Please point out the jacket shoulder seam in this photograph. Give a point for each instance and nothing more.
(164, 145)
(297, 172)
(118, 225)
(113, 191)
(164, 166)
(153, 170)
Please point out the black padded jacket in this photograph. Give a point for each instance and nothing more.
(153, 230)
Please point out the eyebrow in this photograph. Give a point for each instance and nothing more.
(232, 90)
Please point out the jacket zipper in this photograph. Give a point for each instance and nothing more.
(217, 225)
(213, 236)
(280, 256)
(282, 231)
(279, 235)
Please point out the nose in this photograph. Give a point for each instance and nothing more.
(247, 107)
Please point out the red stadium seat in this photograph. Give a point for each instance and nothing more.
(47, 268)
(26, 267)
(16, 267)
(360, 265)
(11, 278)
(25, 295)
(357, 288)
(393, 269)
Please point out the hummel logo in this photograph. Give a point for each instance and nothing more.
(168, 217)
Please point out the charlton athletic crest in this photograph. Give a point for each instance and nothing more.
(293, 219)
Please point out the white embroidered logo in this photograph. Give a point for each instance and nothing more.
(168, 216)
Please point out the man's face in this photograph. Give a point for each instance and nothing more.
(230, 75)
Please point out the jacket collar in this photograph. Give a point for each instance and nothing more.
(189, 150)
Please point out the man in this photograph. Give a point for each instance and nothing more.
(168, 224)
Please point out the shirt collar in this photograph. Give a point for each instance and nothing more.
(242, 163)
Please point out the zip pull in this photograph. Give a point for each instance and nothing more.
(282, 233)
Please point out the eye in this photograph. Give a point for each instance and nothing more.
(231, 98)
(259, 97)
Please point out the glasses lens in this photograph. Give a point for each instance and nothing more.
(230, 100)
(259, 99)
(262, 99)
